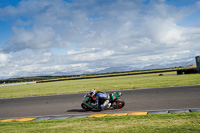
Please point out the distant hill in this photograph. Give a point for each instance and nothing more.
(115, 69)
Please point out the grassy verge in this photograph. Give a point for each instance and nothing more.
(180, 122)
(74, 77)
(103, 84)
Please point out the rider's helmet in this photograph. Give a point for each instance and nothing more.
(93, 92)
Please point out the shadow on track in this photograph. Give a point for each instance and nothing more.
(82, 110)
(76, 110)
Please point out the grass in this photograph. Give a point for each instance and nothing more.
(172, 122)
(59, 78)
(103, 84)
(167, 123)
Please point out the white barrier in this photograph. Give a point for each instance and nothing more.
(23, 83)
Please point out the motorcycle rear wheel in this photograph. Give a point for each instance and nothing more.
(118, 103)
(85, 107)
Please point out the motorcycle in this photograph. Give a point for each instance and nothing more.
(89, 104)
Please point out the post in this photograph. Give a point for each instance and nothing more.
(198, 63)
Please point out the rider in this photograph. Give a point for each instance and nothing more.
(99, 95)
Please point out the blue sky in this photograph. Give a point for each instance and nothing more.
(76, 36)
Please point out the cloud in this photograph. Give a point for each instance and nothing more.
(3, 59)
(93, 35)
(89, 54)
(33, 39)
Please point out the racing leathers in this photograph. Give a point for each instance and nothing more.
(102, 96)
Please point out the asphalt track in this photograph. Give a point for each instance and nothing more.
(167, 98)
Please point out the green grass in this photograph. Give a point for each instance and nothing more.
(165, 123)
(103, 84)
(59, 78)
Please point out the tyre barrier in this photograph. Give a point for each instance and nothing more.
(158, 112)
(179, 111)
(100, 115)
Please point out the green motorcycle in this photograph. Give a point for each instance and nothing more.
(88, 103)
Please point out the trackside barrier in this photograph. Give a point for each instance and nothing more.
(23, 83)
(101, 115)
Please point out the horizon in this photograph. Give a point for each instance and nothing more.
(76, 36)
(104, 72)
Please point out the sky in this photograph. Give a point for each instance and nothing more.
(44, 37)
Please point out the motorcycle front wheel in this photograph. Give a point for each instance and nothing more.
(118, 103)
(85, 107)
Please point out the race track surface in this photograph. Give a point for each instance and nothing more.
(182, 97)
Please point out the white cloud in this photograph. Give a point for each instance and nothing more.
(165, 31)
(4, 59)
(51, 36)
(33, 39)
(89, 54)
